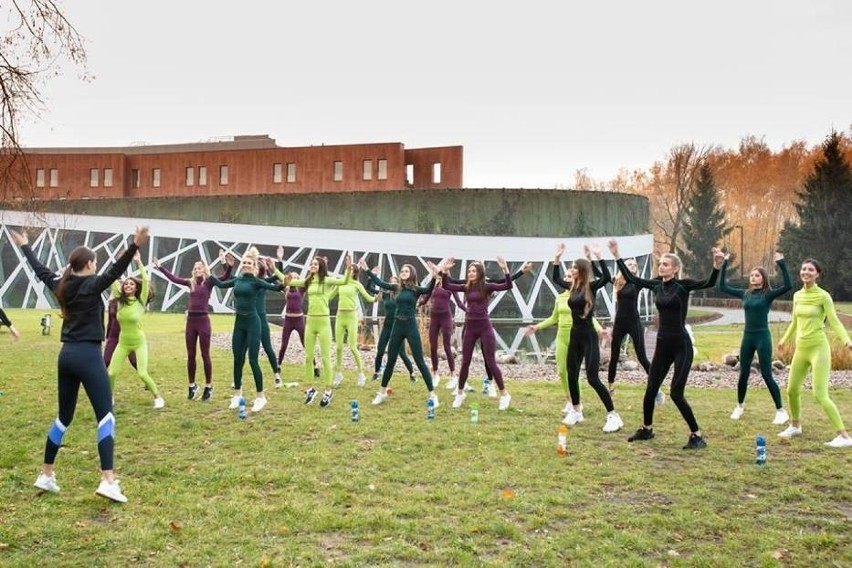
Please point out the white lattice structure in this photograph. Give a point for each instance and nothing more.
(178, 244)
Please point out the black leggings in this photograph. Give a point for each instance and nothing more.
(83, 364)
(620, 330)
(671, 350)
(584, 345)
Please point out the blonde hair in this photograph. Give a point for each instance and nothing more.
(675, 259)
(204, 269)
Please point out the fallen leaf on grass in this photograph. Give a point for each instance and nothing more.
(175, 527)
(508, 493)
(778, 554)
(674, 553)
(4, 546)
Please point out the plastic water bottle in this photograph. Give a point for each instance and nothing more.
(562, 440)
(474, 413)
(355, 411)
(760, 450)
(241, 409)
(430, 409)
(485, 384)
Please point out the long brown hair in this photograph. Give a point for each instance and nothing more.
(321, 273)
(411, 281)
(583, 283)
(480, 282)
(77, 261)
(763, 274)
(123, 299)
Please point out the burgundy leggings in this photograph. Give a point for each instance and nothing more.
(479, 329)
(443, 324)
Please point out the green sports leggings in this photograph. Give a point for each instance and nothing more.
(759, 342)
(406, 329)
(347, 323)
(318, 328)
(124, 348)
(246, 338)
(817, 358)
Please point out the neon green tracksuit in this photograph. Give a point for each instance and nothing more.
(347, 320)
(811, 307)
(318, 325)
(132, 338)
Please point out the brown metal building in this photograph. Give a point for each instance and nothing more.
(244, 165)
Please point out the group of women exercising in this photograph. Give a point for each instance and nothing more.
(79, 293)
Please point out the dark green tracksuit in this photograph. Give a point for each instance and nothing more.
(756, 336)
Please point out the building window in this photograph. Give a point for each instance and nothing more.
(409, 175)
(134, 178)
(40, 177)
(436, 172)
(54, 177)
(338, 171)
(223, 175)
(291, 172)
(94, 177)
(277, 173)
(107, 177)
(202, 175)
(155, 177)
(382, 172)
(189, 176)
(367, 173)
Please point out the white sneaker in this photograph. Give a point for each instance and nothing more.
(573, 417)
(436, 380)
(235, 401)
(362, 380)
(738, 412)
(459, 399)
(338, 378)
(660, 399)
(614, 423)
(492, 390)
(433, 396)
(47, 483)
(504, 402)
(380, 398)
(258, 405)
(568, 407)
(110, 491)
(781, 417)
(278, 382)
(452, 382)
(838, 442)
(790, 431)
(159, 402)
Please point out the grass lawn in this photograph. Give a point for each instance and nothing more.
(299, 485)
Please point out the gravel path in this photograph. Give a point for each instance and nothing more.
(712, 376)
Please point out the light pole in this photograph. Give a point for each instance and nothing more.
(742, 266)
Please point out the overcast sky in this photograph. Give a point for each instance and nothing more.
(533, 90)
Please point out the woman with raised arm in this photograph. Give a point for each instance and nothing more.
(293, 314)
(441, 323)
(318, 285)
(132, 296)
(265, 272)
(757, 300)
(477, 325)
(812, 307)
(113, 332)
(346, 325)
(388, 299)
(198, 329)
(674, 345)
(246, 335)
(80, 361)
(584, 342)
(405, 325)
(626, 323)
